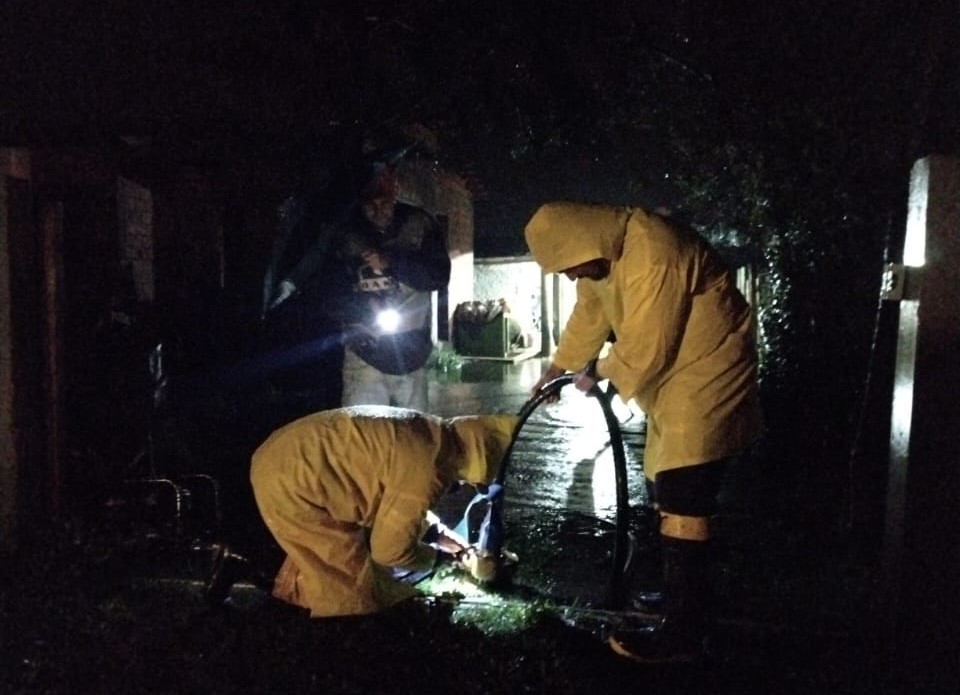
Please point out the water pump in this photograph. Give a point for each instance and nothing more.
(490, 542)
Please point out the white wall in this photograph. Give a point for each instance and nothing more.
(516, 280)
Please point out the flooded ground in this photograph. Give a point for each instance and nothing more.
(560, 505)
(560, 512)
(102, 613)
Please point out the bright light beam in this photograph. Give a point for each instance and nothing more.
(388, 320)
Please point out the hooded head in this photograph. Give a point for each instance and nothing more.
(382, 183)
(482, 440)
(564, 235)
(378, 198)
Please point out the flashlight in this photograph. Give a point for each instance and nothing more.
(388, 320)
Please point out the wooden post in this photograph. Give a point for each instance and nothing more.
(921, 544)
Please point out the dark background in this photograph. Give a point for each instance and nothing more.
(784, 131)
(621, 101)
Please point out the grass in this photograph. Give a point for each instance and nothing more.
(109, 618)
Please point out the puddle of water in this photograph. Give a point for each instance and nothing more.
(562, 459)
(560, 489)
(560, 501)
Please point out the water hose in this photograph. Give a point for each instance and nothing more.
(491, 536)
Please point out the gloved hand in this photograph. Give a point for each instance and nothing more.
(482, 567)
(586, 378)
(442, 537)
(549, 375)
(447, 542)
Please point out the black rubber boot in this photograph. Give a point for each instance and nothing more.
(230, 567)
(682, 632)
(650, 543)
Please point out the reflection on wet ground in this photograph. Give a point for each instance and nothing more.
(560, 507)
(560, 491)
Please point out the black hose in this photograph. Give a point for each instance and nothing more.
(616, 594)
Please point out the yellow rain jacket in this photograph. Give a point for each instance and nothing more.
(684, 340)
(345, 493)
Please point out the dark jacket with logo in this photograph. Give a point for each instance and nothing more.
(419, 264)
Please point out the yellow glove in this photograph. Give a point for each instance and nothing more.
(482, 567)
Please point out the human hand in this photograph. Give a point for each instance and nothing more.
(442, 537)
(480, 566)
(586, 378)
(376, 260)
(551, 373)
(448, 543)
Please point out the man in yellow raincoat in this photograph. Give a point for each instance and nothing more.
(346, 492)
(684, 352)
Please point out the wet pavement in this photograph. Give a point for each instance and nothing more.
(478, 386)
(560, 511)
(560, 503)
(774, 588)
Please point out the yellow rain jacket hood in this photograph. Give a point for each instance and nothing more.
(482, 441)
(345, 492)
(562, 235)
(684, 335)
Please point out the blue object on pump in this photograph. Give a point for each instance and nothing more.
(462, 529)
(491, 530)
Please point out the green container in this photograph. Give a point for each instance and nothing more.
(482, 339)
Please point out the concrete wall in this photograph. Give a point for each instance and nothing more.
(516, 280)
(135, 208)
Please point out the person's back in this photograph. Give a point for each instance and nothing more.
(345, 493)
(711, 360)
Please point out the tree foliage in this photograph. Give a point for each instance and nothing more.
(783, 132)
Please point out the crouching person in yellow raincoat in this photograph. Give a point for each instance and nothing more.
(684, 352)
(346, 493)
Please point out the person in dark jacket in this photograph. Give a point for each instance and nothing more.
(395, 257)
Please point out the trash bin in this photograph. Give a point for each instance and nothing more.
(481, 329)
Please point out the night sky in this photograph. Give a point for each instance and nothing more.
(533, 100)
